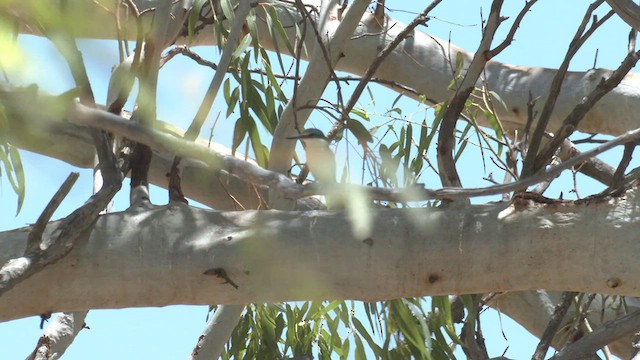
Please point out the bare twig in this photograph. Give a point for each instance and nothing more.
(628, 10)
(242, 11)
(570, 334)
(227, 55)
(63, 239)
(59, 335)
(35, 235)
(446, 164)
(66, 45)
(155, 41)
(570, 123)
(579, 38)
(321, 45)
(603, 335)
(254, 174)
(618, 176)
(357, 92)
(554, 324)
(512, 32)
(471, 336)
(184, 50)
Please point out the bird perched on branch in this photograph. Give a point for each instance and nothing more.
(320, 159)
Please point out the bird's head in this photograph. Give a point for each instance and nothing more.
(309, 135)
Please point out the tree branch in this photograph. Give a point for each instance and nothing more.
(246, 244)
(603, 335)
(309, 91)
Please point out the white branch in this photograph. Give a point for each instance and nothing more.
(423, 63)
(158, 257)
(217, 332)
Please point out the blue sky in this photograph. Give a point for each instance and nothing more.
(168, 333)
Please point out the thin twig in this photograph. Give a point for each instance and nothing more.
(448, 173)
(63, 239)
(605, 334)
(551, 330)
(67, 46)
(570, 123)
(512, 32)
(259, 176)
(579, 38)
(186, 51)
(573, 330)
(618, 176)
(227, 55)
(322, 47)
(421, 19)
(35, 235)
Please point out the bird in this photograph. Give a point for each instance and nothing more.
(321, 161)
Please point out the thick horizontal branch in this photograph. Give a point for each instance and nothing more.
(421, 54)
(292, 190)
(34, 125)
(216, 163)
(158, 257)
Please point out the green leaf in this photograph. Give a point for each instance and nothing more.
(194, 16)
(360, 353)
(10, 158)
(444, 311)
(329, 307)
(407, 144)
(370, 310)
(359, 131)
(365, 334)
(279, 325)
(255, 103)
(463, 142)
(395, 102)
(239, 133)
(467, 300)
(253, 32)
(371, 97)
(242, 47)
(426, 332)
(497, 128)
(261, 151)
(227, 10)
(273, 83)
(389, 164)
(231, 98)
(407, 325)
(226, 90)
(457, 71)
(345, 349)
(361, 113)
(498, 98)
(273, 16)
(19, 173)
(344, 314)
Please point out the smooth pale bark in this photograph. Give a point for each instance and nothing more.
(426, 57)
(421, 62)
(540, 305)
(217, 332)
(59, 335)
(157, 257)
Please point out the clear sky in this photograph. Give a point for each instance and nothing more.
(170, 333)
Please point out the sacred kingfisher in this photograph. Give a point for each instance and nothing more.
(320, 159)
